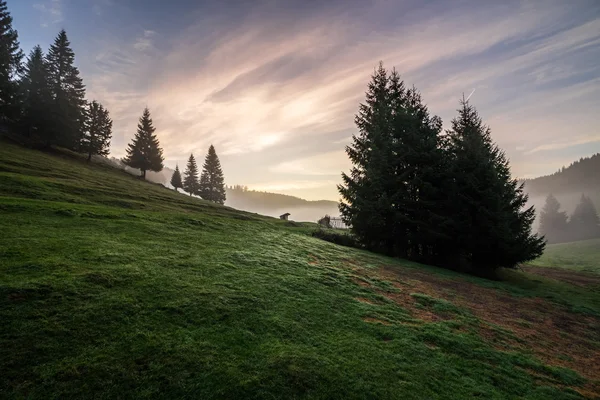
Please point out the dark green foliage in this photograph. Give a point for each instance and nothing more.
(37, 100)
(553, 222)
(176, 179)
(212, 184)
(68, 93)
(191, 183)
(97, 131)
(144, 151)
(584, 223)
(490, 227)
(446, 200)
(325, 221)
(337, 237)
(11, 58)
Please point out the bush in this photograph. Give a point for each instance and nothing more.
(343, 239)
(325, 221)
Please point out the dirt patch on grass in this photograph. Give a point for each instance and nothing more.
(365, 301)
(532, 325)
(572, 277)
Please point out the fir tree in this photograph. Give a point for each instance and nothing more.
(97, 132)
(490, 227)
(37, 99)
(144, 151)
(68, 92)
(367, 204)
(11, 58)
(553, 222)
(212, 185)
(190, 180)
(584, 223)
(176, 179)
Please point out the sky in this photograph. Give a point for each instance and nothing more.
(275, 85)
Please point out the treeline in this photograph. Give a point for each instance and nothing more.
(556, 227)
(444, 198)
(42, 99)
(580, 176)
(210, 185)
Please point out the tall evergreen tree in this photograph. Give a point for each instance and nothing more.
(490, 227)
(11, 58)
(176, 179)
(367, 204)
(37, 99)
(212, 184)
(144, 151)
(553, 222)
(68, 92)
(584, 222)
(97, 131)
(190, 180)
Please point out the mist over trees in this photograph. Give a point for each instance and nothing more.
(583, 223)
(176, 179)
(445, 199)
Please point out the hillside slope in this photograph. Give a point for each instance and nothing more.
(111, 287)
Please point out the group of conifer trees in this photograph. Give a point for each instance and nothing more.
(43, 99)
(583, 223)
(210, 186)
(444, 198)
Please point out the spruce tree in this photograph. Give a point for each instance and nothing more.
(144, 151)
(212, 185)
(190, 180)
(584, 223)
(553, 222)
(37, 119)
(176, 179)
(97, 131)
(417, 174)
(367, 203)
(490, 226)
(11, 58)
(68, 93)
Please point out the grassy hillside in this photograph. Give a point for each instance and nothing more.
(576, 256)
(111, 287)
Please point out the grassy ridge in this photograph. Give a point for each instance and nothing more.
(113, 287)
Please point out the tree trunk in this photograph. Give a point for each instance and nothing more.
(143, 174)
(89, 158)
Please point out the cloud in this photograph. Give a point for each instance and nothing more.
(277, 95)
(564, 144)
(51, 12)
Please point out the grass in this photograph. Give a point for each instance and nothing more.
(111, 287)
(583, 256)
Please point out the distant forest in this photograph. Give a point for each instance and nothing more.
(581, 176)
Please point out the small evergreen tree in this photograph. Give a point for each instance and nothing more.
(190, 180)
(176, 179)
(212, 185)
(97, 132)
(489, 225)
(584, 223)
(144, 151)
(367, 204)
(37, 120)
(553, 222)
(11, 58)
(68, 93)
